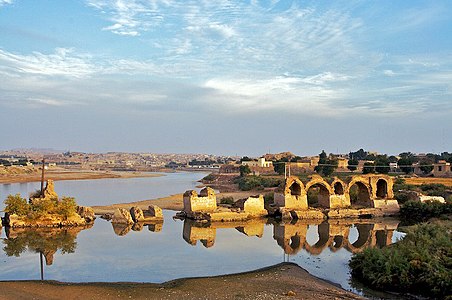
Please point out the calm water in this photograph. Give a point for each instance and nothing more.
(175, 249)
(111, 191)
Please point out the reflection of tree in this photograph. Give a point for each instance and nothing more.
(41, 240)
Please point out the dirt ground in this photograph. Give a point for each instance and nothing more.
(427, 180)
(283, 281)
(173, 202)
(63, 174)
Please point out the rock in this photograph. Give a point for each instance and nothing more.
(291, 294)
(122, 216)
(136, 214)
(49, 191)
(87, 213)
(155, 211)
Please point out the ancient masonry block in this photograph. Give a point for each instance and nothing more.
(206, 201)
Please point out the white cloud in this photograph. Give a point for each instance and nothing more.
(5, 2)
(62, 62)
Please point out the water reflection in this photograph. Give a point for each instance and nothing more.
(292, 237)
(123, 229)
(46, 241)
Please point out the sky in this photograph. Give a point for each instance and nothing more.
(226, 77)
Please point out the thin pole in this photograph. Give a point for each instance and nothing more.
(42, 266)
(42, 177)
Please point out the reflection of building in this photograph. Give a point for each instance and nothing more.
(334, 235)
(194, 232)
(206, 232)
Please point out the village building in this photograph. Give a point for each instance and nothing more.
(442, 169)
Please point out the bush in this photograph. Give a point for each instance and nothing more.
(416, 211)
(420, 263)
(256, 182)
(16, 205)
(209, 177)
(66, 207)
(434, 189)
(227, 200)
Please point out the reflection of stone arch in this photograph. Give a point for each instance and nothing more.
(364, 238)
(383, 238)
(290, 237)
(364, 192)
(323, 242)
(382, 188)
(325, 190)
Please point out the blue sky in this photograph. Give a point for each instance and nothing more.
(226, 77)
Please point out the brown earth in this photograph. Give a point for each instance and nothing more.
(282, 281)
(427, 180)
(173, 202)
(19, 175)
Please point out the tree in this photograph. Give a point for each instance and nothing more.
(16, 205)
(280, 165)
(382, 164)
(358, 155)
(67, 207)
(244, 170)
(325, 166)
(352, 164)
(426, 165)
(406, 161)
(369, 167)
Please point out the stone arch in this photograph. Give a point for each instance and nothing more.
(338, 187)
(363, 193)
(294, 186)
(382, 188)
(324, 191)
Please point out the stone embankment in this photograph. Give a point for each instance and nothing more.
(374, 199)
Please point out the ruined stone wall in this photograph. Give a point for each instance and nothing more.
(253, 205)
(206, 201)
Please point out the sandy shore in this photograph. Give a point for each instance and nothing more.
(173, 202)
(63, 174)
(282, 281)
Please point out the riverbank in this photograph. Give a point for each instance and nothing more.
(173, 202)
(282, 281)
(58, 174)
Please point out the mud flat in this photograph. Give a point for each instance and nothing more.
(64, 174)
(282, 281)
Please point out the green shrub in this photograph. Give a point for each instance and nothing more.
(66, 207)
(256, 182)
(209, 177)
(227, 200)
(420, 263)
(416, 211)
(434, 189)
(15, 204)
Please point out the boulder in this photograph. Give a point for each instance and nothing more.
(155, 211)
(87, 213)
(137, 214)
(122, 216)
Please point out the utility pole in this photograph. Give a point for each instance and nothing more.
(42, 177)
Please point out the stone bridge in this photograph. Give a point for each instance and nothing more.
(355, 192)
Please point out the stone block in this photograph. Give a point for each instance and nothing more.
(122, 216)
